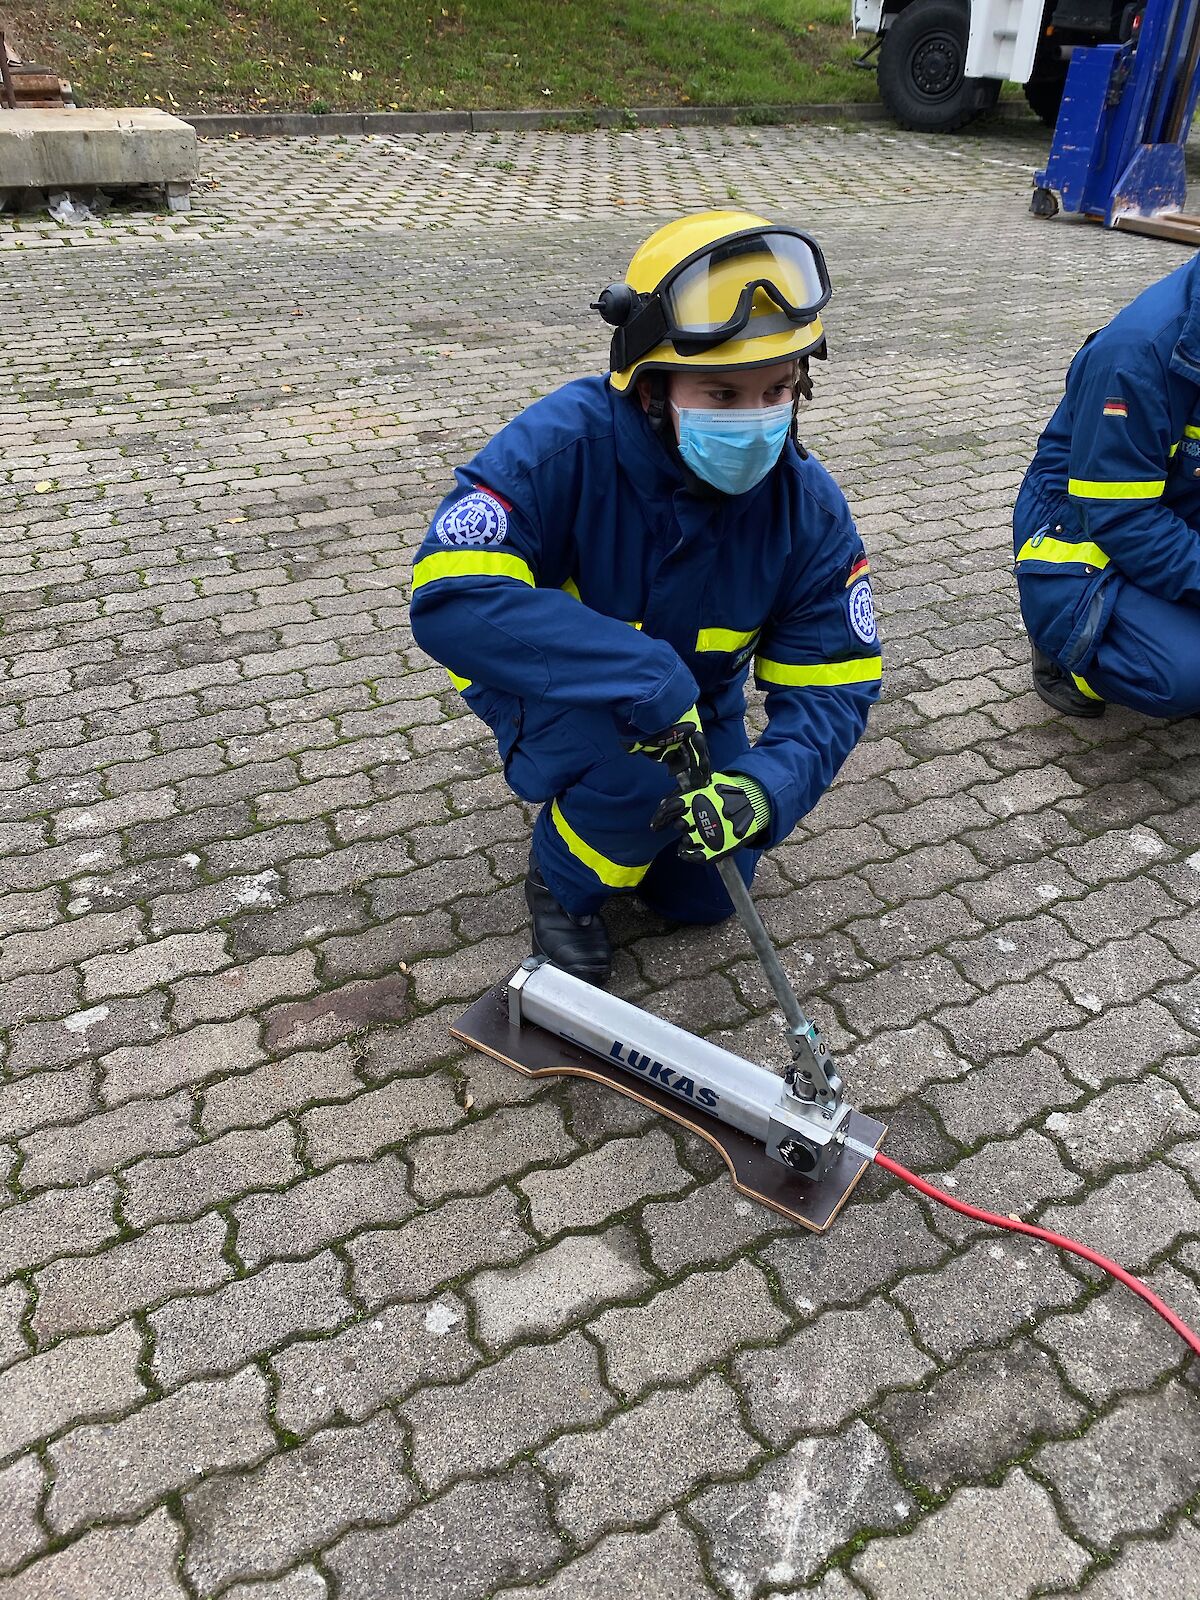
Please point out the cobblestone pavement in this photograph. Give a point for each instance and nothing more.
(299, 1301)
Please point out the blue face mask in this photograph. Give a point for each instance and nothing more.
(733, 450)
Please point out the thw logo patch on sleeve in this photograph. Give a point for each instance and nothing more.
(479, 518)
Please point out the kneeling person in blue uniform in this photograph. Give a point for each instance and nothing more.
(1107, 523)
(607, 567)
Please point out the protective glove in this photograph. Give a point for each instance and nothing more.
(727, 812)
(684, 738)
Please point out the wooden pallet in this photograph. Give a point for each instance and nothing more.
(529, 1049)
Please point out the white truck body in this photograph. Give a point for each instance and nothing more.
(1002, 42)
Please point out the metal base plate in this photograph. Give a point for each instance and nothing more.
(538, 1054)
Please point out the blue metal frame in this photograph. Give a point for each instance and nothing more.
(1124, 120)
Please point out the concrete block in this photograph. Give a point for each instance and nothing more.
(63, 147)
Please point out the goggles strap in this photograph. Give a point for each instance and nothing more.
(644, 331)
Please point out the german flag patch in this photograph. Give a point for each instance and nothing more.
(859, 570)
(1114, 406)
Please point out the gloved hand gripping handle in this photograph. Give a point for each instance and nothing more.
(812, 1074)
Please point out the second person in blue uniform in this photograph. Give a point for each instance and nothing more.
(1107, 523)
(606, 569)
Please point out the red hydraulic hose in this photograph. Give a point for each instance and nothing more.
(1057, 1239)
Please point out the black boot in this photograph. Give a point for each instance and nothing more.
(579, 945)
(1056, 688)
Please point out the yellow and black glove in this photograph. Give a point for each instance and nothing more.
(728, 811)
(681, 741)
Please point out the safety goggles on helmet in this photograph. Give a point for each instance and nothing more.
(752, 283)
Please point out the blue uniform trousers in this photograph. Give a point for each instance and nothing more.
(593, 836)
(1147, 656)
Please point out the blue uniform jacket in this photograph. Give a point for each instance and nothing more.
(571, 565)
(1114, 489)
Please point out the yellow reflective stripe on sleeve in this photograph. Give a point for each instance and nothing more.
(1191, 431)
(612, 873)
(723, 639)
(471, 564)
(571, 588)
(1059, 550)
(1136, 489)
(459, 683)
(819, 674)
(1173, 451)
(636, 625)
(1085, 687)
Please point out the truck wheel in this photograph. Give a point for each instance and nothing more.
(921, 63)
(1045, 96)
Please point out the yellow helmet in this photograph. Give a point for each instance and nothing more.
(717, 289)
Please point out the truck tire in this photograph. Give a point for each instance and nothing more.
(1045, 96)
(921, 63)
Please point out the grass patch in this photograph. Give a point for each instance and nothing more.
(380, 55)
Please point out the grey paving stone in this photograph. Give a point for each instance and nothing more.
(683, 1329)
(180, 1060)
(1120, 1043)
(103, 1143)
(1001, 1095)
(21, 1488)
(781, 1525)
(217, 1332)
(1122, 1126)
(1131, 1217)
(1011, 1015)
(250, 1524)
(238, 990)
(68, 944)
(55, 1223)
(176, 956)
(302, 1583)
(709, 1225)
(411, 1261)
(351, 1374)
(901, 1063)
(252, 1099)
(1165, 1569)
(136, 1562)
(316, 1211)
(984, 1544)
(165, 1446)
(43, 1099)
(184, 1186)
(675, 1437)
(379, 1118)
(556, 1286)
(449, 1547)
(477, 1156)
(14, 1307)
(505, 1410)
(827, 1371)
(994, 1288)
(1133, 1466)
(97, 1291)
(870, 1245)
(969, 1422)
(87, 1377)
(660, 1565)
(1012, 1177)
(603, 1183)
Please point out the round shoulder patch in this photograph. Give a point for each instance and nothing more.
(478, 518)
(861, 608)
